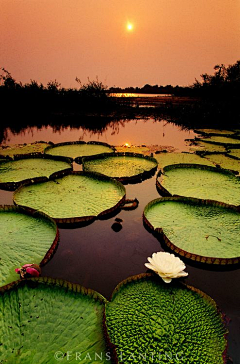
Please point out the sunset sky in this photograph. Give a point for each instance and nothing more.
(123, 43)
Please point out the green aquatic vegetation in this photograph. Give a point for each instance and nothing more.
(234, 153)
(18, 149)
(204, 231)
(132, 149)
(224, 161)
(120, 165)
(222, 140)
(214, 131)
(149, 321)
(165, 159)
(201, 182)
(13, 172)
(76, 197)
(78, 149)
(46, 320)
(24, 239)
(201, 146)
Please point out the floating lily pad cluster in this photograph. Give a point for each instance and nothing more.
(44, 320)
(215, 132)
(223, 140)
(201, 147)
(204, 190)
(145, 316)
(235, 153)
(215, 141)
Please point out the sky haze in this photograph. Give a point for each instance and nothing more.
(171, 41)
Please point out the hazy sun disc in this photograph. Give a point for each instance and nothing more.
(129, 27)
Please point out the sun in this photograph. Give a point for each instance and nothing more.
(129, 27)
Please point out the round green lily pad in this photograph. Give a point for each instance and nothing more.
(19, 149)
(224, 161)
(204, 231)
(76, 197)
(78, 149)
(235, 153)
(222, 140)
(149, 321)
(201, 146)
(165, 159)
(201, 182)
(123, 166)
(25, 239)
(14, 172)
(214, 131)
(48, 321)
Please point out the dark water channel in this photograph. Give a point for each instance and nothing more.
(99, 258)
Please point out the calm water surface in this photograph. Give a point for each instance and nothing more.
(99, 258)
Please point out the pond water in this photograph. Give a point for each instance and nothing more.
(99, 258)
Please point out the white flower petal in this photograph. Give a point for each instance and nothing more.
(166, 265)
(167, 280)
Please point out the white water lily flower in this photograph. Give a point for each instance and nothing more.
(167, 266)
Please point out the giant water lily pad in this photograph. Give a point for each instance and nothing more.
(201, 147)
(235, 153)
(199, 181)
(224, 161)
(76, 197)
(78, 149)
(214, 131)
(19, 149)
(222, 140)
(123, 166)
(205, 231)
(46, 321)
(14, 172)
(24, 239)
(149, 321)
(165, 159)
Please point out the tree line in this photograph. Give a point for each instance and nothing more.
(215, 96)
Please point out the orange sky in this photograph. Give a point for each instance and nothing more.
(173, 41)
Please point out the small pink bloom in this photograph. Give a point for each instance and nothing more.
(26, 265)
(29, 270)
(32, 271)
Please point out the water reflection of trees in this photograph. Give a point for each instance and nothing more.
(90, 126)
